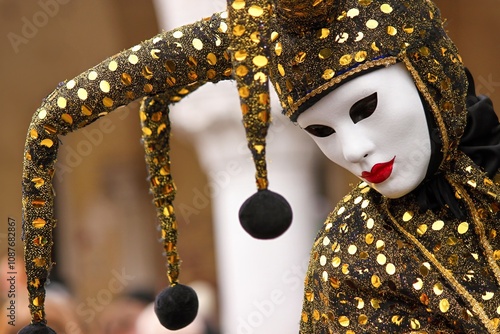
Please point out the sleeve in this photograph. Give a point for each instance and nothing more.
(171, 64)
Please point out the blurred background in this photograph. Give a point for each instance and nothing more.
(108, 259)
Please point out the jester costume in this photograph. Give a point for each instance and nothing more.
(423, 263)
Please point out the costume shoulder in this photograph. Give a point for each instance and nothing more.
(364, 276)
(353, 212)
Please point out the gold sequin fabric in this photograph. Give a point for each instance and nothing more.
(156, 127)
(382, 266)
(173, 64)
(250, 29)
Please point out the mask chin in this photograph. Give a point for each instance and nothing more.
(392, 195)
(392, 192)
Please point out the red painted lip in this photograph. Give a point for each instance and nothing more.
(380, 172)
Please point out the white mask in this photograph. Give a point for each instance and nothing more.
(375, 127)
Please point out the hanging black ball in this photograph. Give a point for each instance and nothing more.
(266, 215)
(37, 328)
(176, 306)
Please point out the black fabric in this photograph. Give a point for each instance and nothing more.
(480, 141)
(37, 328)
(176, 306)
(265, 215)
(436, 193)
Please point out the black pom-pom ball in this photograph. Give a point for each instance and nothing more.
(176, 306)
(265, 215)
(37, 328)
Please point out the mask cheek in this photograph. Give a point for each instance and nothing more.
(330, 149)
(336, 155)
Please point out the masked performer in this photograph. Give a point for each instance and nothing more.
(383, 91)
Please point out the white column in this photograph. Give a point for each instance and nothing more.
(260, 282)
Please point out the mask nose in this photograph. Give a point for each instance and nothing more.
(356, 147)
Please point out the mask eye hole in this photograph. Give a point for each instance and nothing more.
(318, 130)
(364, 108)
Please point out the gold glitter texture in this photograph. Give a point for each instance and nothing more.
(247, 23)
(156, 65)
